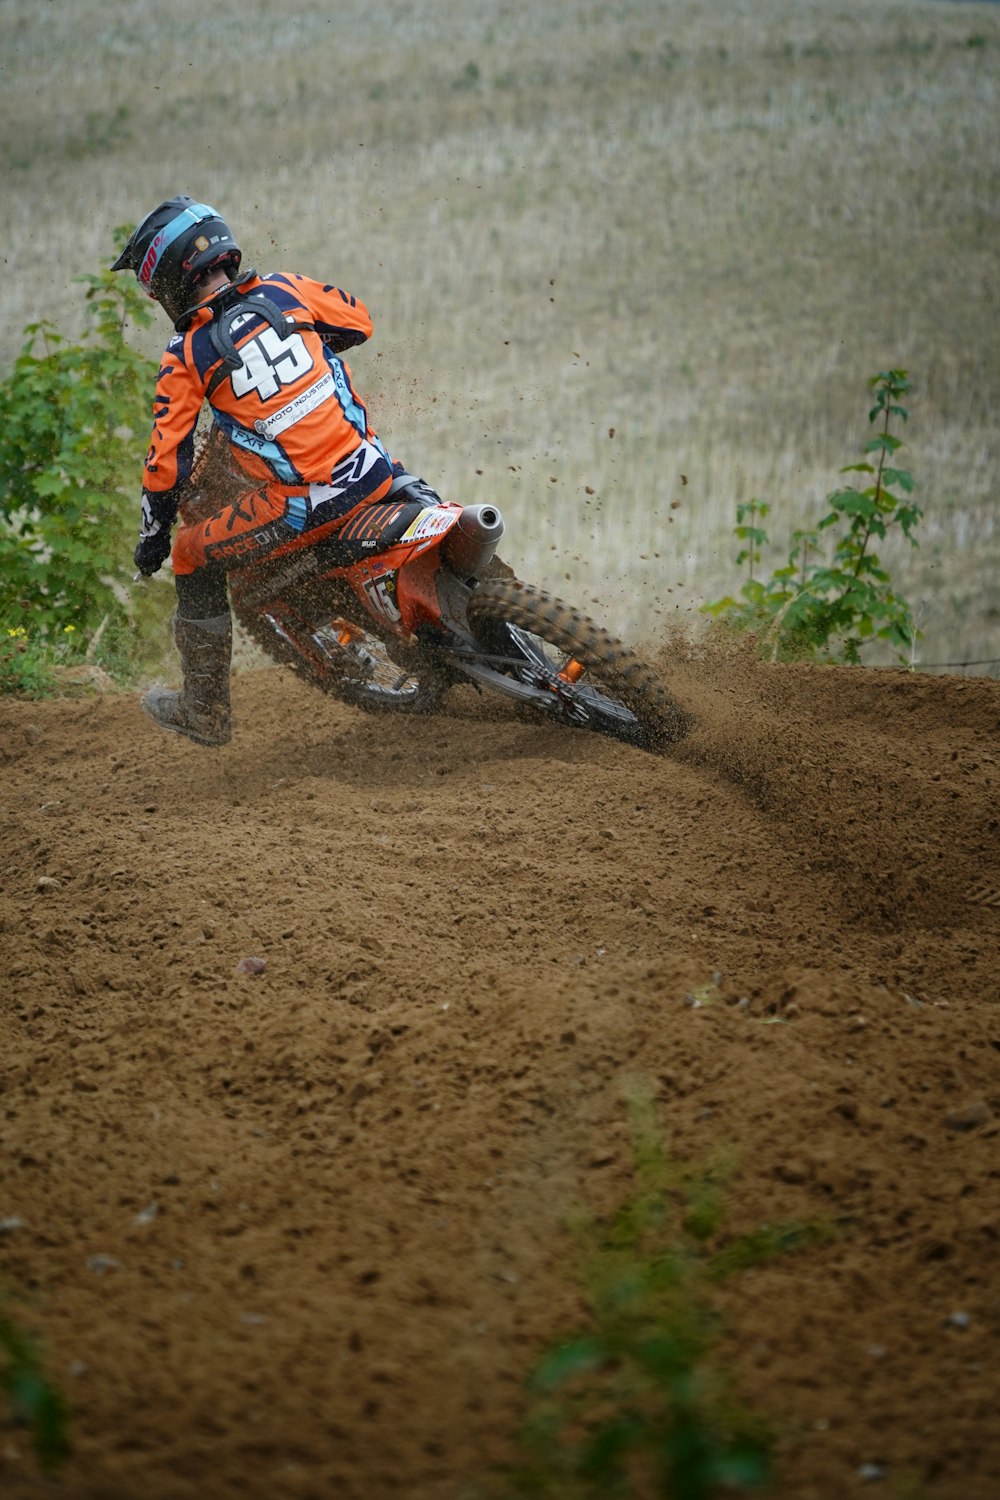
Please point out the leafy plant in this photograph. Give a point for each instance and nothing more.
(32, 1396)
(28, 662)
(830, 606)
(632, 1401)
(76, 416)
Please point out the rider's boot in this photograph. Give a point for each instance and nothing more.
(201, 709)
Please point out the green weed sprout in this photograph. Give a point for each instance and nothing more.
(632, 1402)
(29, 660)
(32, 1396)
(829, 608)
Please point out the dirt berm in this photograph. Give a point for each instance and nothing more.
(302, 1233)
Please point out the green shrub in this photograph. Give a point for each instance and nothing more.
(829, 606)
(76, 422)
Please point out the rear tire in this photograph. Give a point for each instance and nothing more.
(536, 636)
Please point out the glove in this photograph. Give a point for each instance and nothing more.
(154, 540)
(152, 552)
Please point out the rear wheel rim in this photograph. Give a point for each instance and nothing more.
(581, 700)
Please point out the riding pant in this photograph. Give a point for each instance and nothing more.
(262, 521)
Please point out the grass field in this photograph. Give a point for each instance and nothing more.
(697, 228)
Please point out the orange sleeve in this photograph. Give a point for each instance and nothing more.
(176, 404)
(341, 320)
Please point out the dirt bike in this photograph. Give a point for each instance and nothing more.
(408, 597)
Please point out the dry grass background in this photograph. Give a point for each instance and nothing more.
(699, 226)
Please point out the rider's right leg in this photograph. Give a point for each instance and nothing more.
(204, 636)
(251, 526)
(259, 524)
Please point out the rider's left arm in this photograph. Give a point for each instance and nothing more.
(340, 319)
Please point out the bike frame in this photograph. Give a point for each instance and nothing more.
(397, 589)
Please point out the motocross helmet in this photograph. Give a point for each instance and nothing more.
(173, 247)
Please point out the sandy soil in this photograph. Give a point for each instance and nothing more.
(303, 1233)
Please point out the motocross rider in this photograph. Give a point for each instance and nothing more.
(263, 352)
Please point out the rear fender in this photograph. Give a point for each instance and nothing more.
(419, 592)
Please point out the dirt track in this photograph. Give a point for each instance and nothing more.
(476, 932)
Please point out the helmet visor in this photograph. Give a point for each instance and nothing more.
(195, 213)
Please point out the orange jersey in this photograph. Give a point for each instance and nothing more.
(287, 407)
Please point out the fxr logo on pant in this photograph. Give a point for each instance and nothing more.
(242, 511)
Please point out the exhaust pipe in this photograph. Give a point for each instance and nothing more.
(469, 546)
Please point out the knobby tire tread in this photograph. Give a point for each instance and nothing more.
(615, 665)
